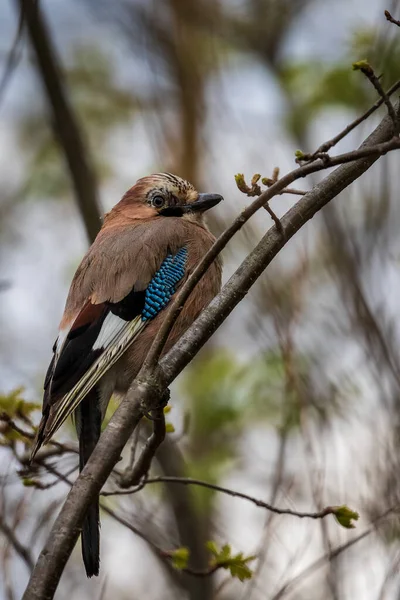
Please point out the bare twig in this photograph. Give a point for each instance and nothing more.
(163, 554)
(330, 161)
(391, 19)
(368, 71)
(45, 486)
(268, 181)
(148, 388)
(329, 510)
(337, 138)
(56, 450)
(5, 418)
(132, 476)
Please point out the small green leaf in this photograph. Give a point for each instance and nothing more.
(27, 482)
(167, 409)
(169, 428)
(241, 183)
(241, 571)
(180, 557)
(236, 564)
(212, 547)
(344, 516)
(299, 154)
(14, 404)
(225, 553)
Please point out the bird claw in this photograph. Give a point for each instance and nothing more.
(162, 404)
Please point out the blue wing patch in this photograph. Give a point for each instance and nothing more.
(163, 285)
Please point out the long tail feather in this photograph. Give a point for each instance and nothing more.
(88, 422)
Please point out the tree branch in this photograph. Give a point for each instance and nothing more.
(368, 71)
(64, 120)
(323, 161)
(328, 510)
(326, 146)
(145, 390)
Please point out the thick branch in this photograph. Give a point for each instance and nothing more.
(64, 120)
(65, 530)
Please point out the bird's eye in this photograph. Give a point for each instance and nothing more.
(157, 201)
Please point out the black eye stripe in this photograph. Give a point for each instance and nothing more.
(171, 211)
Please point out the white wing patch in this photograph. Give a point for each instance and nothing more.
(111, 327)
(62, 336)
(116, 335)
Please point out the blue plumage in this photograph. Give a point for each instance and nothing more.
(163, 285)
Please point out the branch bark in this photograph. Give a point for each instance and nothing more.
(64, 121)
(149, 388)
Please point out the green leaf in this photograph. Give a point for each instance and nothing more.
(169, 428)
(27, 482)
(180, 557)
(344, 516)
(212, 547)
(15, 406)
(236, 564)
(241, 570)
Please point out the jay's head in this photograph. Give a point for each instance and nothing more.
(164, 195)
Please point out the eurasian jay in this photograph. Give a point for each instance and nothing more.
(149, 244)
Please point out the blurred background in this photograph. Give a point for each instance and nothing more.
(296, 399)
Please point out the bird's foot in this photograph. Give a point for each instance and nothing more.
(153, 413)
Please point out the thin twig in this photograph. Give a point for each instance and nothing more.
(132, 476)
(45, 486)
(320, 562)
(368, 71)
(19, 548)
(14, 56)
(349, 128)
(331, 161)
(254, 189)
(58, 448)
(293, 191)
(162, 554)
(391, 19)
(329, 510)
(5, 418)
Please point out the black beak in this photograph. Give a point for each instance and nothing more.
(203, 203)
